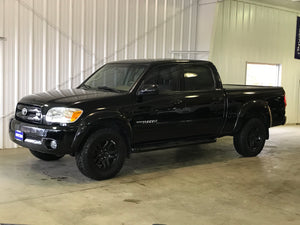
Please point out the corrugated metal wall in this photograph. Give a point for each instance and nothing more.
(252, 32)
(57, 43)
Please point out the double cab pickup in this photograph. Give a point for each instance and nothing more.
(137, 105)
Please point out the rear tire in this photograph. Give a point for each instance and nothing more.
(251, 139)
(45, 156)
(103, 155)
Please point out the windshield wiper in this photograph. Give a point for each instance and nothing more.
(85, 86)
(105, 88)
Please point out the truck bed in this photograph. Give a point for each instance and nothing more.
(238, 95)
(238, 87)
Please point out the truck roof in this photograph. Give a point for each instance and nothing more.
(159, 61)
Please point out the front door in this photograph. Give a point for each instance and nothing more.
(160, 116)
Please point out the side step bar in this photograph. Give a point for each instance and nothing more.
(169, 144)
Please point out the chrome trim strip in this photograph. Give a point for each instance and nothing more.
(32, 141)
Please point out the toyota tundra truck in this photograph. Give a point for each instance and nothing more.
(137, 105)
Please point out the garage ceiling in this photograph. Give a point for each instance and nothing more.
(295, 5)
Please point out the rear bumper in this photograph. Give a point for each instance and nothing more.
(39, 137)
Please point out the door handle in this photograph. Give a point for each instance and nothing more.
(217, 99)
(178, 102)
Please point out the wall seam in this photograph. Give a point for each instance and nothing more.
(44, 67)
(126, 28)
(1, 78)
(16, 52)
(190, 27)
(57, 50)
(116, 30)
(181, 27)
(70, 43)
(94, 35)
(30, 55)
(164, 29)
(155, 29)
(146, 31)
(82, 42)
(173, 26)
(136, 29)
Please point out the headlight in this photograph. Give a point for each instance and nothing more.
(63, 115)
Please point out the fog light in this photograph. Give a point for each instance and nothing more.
(53, 144)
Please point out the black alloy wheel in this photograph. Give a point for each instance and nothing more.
(103, 155)
(106, 154)
(251, 138)
(255, 139)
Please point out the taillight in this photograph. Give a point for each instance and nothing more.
(285, 101)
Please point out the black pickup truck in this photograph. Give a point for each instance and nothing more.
(138, 105)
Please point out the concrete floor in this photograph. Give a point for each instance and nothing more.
(204, 184)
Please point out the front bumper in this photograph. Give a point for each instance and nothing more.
(39, 137)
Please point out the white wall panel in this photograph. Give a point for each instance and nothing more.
(250, 32)
(55, 44)
(205, 22)
(10, 65)
(37, 48)
(1, 72)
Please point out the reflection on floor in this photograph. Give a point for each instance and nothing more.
(202, 184)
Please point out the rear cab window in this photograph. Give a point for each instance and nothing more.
(180, 77)
(197, 78)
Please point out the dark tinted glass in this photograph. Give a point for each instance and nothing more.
(117, 76)
(198, 78)
(166, 77)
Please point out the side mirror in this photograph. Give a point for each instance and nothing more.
(148, 89)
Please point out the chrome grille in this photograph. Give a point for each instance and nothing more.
(29, 113)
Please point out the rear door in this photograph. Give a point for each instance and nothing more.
(204, 104)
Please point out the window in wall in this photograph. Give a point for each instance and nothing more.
(263, 74)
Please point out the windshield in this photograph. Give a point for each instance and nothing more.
(114, 77)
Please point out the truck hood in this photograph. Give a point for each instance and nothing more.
(66, 97)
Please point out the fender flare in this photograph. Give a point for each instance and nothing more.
(254, 109)
(98, 120)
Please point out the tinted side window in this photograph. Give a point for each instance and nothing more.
(166, 77)
(198, 78)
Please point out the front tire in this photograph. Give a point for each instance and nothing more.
(103, 155)
(251, 139)
(45, 156)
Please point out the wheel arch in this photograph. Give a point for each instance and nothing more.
(102, 120)
(254, 109)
